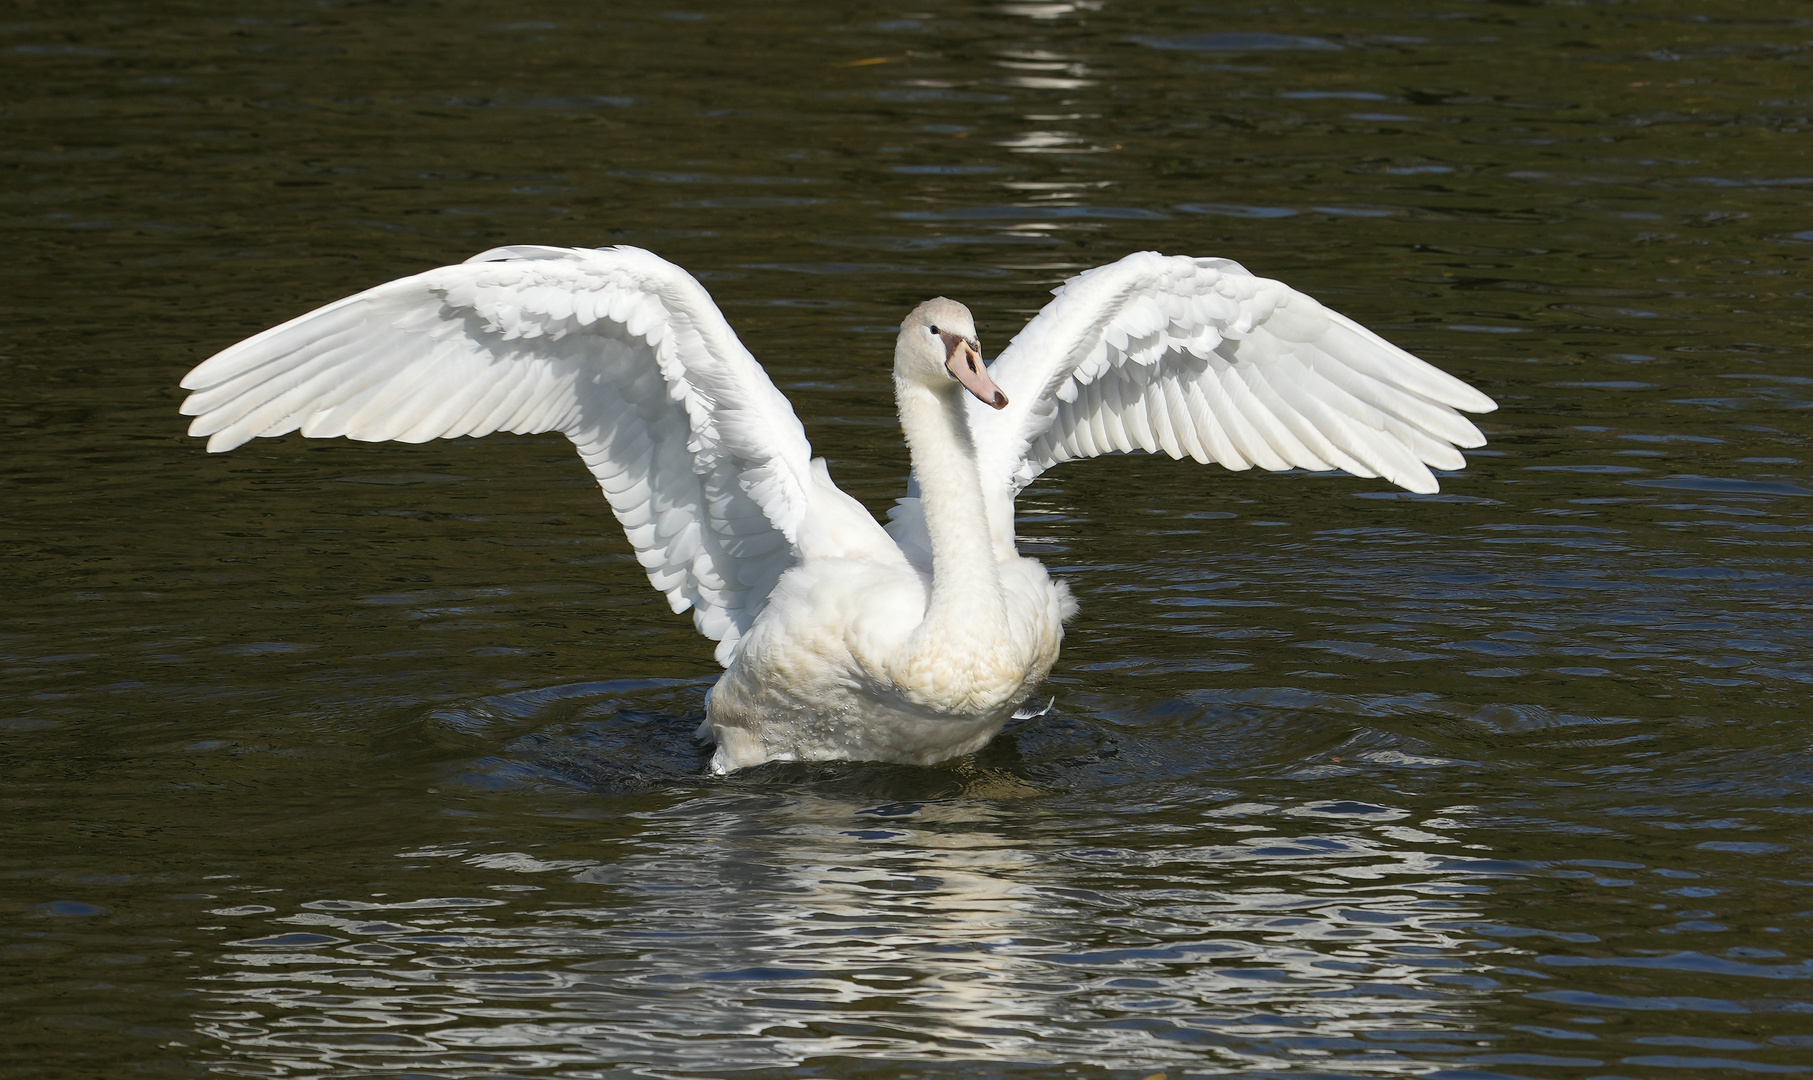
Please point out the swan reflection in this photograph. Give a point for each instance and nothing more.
(715, 934)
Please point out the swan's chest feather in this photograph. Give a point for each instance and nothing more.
(835, 668)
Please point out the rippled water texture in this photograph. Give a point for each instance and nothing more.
(321, 759)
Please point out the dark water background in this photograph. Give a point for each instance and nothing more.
(322, 759)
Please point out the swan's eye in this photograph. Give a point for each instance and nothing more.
(933, 330)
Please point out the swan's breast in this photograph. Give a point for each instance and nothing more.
(958, 672)
(834, 668)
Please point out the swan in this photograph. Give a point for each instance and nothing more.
(842, 638)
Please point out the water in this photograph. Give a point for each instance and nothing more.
(325, 759)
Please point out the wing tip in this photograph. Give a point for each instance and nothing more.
(212, 371)
(221, 442)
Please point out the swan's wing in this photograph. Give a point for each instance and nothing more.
(1199, 358)
(701, 458)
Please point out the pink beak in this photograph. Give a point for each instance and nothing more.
(965, 362)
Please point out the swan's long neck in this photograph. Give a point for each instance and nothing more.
(967, 606)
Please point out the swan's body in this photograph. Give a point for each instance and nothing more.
(842, 639)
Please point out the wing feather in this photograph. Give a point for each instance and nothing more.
(1184, 421)
(1228, 392)
(1115, 415)
(702, 460)
(1159, 405)
(1134, 416)
(1229, 443)
(1260, 407)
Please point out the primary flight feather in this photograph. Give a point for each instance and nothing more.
(841, 639)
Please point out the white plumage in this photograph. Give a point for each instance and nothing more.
(843, 640)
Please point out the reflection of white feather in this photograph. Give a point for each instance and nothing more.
(750, 932)
(842, 640)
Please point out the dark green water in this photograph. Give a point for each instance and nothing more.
(321, 759)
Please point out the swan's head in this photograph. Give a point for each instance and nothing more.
(938, 345)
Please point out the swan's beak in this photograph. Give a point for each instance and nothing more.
(965, 362)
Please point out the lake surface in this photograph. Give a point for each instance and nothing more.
(323, 759)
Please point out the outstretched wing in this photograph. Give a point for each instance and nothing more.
(701, 458)
(1199, 358)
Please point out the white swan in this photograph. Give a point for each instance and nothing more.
(842, 639)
